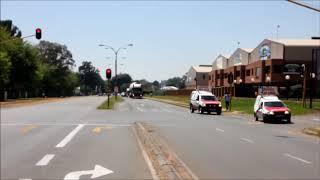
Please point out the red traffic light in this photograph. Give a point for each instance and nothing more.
(108, 73)
(38, 33)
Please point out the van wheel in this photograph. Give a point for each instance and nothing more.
(256, 117)
(201, 110)
(191, 109)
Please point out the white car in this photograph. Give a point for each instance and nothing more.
(270, 108)
(204, 101)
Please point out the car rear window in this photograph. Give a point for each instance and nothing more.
(211, 98)
(274, 104)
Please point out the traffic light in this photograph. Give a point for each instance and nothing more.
(38, 33)
(108, 73)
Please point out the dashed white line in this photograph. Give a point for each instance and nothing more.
(70, 136)
(247, 140)
(221, 130)
(316, 119)
(297, 158)
(140, 109)
(45, 160)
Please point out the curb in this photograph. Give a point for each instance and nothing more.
(166, 163)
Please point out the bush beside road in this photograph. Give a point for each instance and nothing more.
(241, 105)
(112, 102)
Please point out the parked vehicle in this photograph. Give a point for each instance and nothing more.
(123, 94)
(270, 108)
(204, 101)
(135, 90)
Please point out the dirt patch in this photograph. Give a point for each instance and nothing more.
(315, 131)
(28, 102)
(166, 163)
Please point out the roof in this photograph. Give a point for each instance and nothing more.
(225, 55)
(204, 93)
(269, 98)
(247, 49)
(297, 42)
(204, 69)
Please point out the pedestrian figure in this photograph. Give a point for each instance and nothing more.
(227, 100)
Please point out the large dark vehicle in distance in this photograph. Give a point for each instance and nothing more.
(135, 90)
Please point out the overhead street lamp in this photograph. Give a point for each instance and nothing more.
(116, 52)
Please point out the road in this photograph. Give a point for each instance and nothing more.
(50, 141)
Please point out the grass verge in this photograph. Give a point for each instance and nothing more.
(112, 102)
(242, 105)
(315, 131)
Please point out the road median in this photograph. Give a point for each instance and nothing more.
(166, 163)
(112, 102)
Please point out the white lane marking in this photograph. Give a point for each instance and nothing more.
(297, 158)
(316, 119)
(140, 109)
(142, 105)
(45, 160)
(70, 136)
(221, 130)
(146, 157)
(247, 140)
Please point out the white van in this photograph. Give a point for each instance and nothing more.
(204, 101)
(270, 107)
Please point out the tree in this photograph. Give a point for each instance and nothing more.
(14, 30)
(90, 79)
(57, 63)
(156, 85)
(176, 81)
(123, 81)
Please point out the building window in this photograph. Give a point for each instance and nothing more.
(203, 77)
(209, 77)
(277, 69)
(267, 70)
(218, 76)
(252, 72)
(225, 75)
(258, 71)
(248, 72)
(237, 73)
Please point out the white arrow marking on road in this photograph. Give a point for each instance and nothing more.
(299, 159)
(98, 171)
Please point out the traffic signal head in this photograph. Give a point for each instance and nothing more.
(108, 73)
(38, 33)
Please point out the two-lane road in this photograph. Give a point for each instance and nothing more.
(48, 141)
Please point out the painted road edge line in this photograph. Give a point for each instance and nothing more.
(297, 158)
(221, 130)
(145, 156)
(247, 140)
(45, 160)
(70, 136)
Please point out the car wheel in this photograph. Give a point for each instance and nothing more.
(289, 120)
(219, 112)
(256, 117)
(191, 109)
(264, 119)
(209, 112)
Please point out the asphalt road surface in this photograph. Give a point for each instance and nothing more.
(72, 139)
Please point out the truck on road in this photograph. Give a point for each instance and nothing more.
(135, 90)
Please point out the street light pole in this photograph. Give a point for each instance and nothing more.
(116, 52)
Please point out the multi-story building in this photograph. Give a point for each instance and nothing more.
(274, 63)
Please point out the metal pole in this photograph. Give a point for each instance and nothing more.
(116, 77)
(108, 91)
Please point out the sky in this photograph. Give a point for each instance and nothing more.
(168, 37)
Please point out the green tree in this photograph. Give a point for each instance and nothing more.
(176, 81)
(14, 30)
(90, 78)
(123, 81)
(57, 64)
